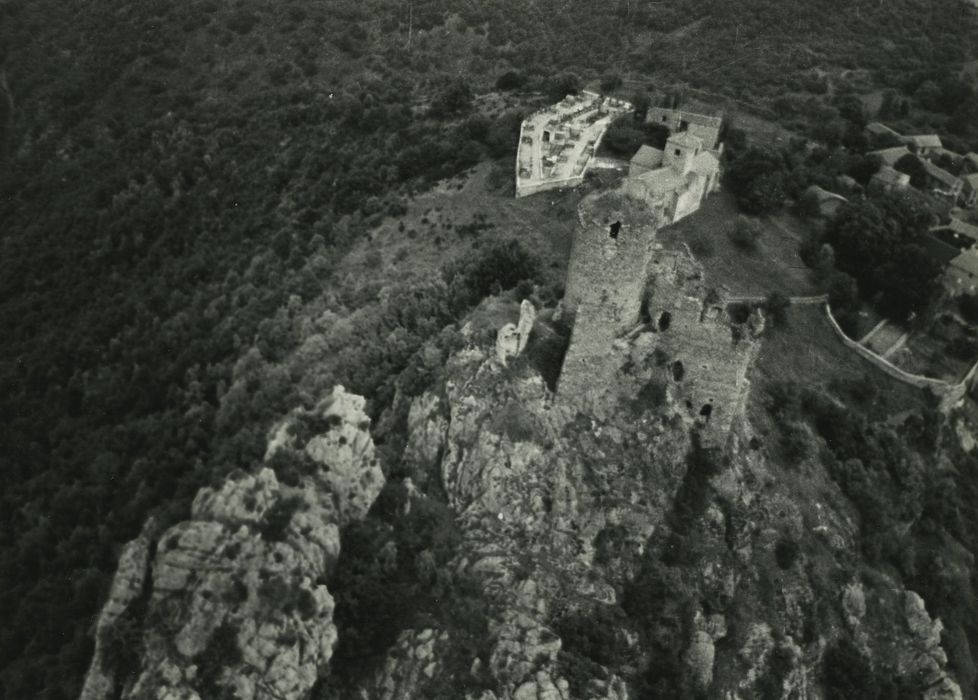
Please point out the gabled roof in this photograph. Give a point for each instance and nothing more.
(661, 180)
(941, 175)
(880, 128)
(686, 140)
(647, 157)
(891, 176)
(824, 195)
(963, 228)
(967, 262)
(925, 140)
(891, 155)
(939, 251)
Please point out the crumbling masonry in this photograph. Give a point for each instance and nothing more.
(703, 353)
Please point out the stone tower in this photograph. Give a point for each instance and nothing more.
(681, 150)
(612, 248)
(609, 256)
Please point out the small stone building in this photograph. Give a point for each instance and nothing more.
(687, 174)
(704, 127)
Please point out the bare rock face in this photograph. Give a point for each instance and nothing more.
(923, 657)
(511, 339)
(233, 600)
(411, 663)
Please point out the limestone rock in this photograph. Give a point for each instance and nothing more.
(127, 586)
(233, 598)
(528, 315)
(512, 338)
(410, 664)
(854, 603)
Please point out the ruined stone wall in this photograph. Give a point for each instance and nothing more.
(605, 282)
(609, 257)
(694, 330)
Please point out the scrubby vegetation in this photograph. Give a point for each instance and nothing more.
(181, 181)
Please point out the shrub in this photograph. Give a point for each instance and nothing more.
(510, 80)
(744, 234)
(776, 306)
(848, 673)
(276, 521)
(701, 243)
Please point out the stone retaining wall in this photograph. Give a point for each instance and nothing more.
(948, 393)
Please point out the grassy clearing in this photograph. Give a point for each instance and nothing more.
(439, 224)
(774, 266)
(807, 351)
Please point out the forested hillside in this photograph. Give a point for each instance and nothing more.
(181, 180)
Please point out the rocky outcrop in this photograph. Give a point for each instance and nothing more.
(233, 600)
(511, 339)
(410, 664)
(923, 658)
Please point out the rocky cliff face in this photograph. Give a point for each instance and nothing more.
(232, 602)
(568, 516)
(617, 557)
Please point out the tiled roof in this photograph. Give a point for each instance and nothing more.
(647, 157)
(891, 155)
(925, 140)
(941, 175)
(686, 140)
(966, 229)
(967, 262)
(891, 176)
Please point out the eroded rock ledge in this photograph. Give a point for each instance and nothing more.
(234, 599)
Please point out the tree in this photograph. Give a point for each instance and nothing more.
(562, 85)
(757, 180)
(641, 103)
(623, 138)
(744, 234)
(610, 82)
(510, 80)
(911, 165)
(453, 98)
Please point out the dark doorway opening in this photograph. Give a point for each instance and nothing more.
(665, 320)
(614, 229)
(678, 371)
(707, 410)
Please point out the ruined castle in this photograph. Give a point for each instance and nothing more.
(621, 282)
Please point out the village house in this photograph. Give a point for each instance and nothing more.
(943, 183)
(890, 156)
(674, 182)
(924, 144)
(879, 129)
(702, 126)
(962, 273)
(971, 162)
(889, 178)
